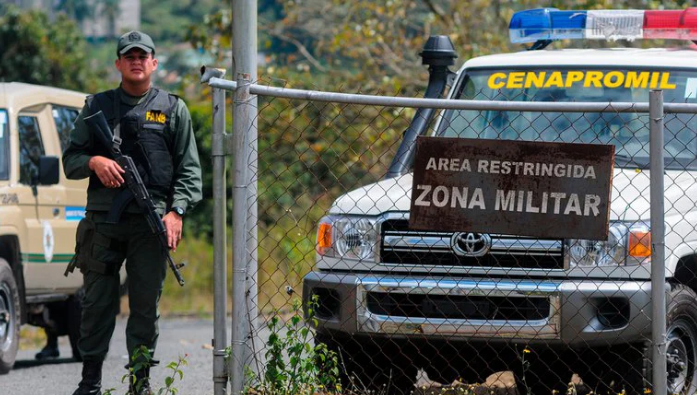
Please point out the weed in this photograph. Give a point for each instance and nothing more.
(142, 359)
(526, 366)
(175, 367)
(294, 365)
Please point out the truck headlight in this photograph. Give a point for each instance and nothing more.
(627, 244)
(350, 237)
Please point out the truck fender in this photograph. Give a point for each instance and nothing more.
(679, 255)
(686, 270)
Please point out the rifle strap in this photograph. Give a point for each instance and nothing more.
(117, 141)
(117, 121)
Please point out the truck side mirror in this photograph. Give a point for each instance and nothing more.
(48, 170)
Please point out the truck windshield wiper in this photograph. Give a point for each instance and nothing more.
(626, 160)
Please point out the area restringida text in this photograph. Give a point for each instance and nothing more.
(514, 200)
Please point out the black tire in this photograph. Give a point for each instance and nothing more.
(372, 366)
(681, 335)
(74, 315)
(9, 318)
(681, 345)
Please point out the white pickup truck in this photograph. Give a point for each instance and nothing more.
(462, 305)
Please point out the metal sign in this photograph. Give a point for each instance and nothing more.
(546, 190)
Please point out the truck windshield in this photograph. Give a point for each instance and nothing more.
(4, 146)
(629, 132)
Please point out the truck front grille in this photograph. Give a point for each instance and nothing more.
(400, 245)
(459, 307)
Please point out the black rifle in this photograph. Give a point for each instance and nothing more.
(136, 189)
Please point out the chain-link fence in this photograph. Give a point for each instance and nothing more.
(468, 311)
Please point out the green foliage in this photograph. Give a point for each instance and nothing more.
(142, 359)
(38, 52)
(198, 221)
(78, 10)
(102, 73)
(165, 20)
(374, 45)
(525, 364)
(82, 10)
(176, 374)
(294, 365)
(196, 296)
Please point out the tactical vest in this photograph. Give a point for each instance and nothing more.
(145, 132)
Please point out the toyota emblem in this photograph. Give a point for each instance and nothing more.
(471, 244)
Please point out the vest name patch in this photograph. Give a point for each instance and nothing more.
(155, 116)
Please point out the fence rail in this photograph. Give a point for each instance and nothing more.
(448, 104)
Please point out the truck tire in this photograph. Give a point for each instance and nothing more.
(681, 340)
(371, 366)
(681, 345)
(9, 318)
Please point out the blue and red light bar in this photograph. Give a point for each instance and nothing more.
(552, 24)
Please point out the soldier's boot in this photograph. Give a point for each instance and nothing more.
(91, 383)
(140, 383)
(50, 351)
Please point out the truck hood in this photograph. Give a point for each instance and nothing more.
(630, 195)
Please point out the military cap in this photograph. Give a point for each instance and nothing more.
(135, 39)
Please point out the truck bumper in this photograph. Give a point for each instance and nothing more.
(572, 312)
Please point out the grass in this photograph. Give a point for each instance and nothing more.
(286, 254)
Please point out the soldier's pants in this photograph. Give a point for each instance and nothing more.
(132, 240)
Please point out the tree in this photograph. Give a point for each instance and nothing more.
(167, 20)
(38, 52)
(374, 45)
(111, 10)
(79, 10)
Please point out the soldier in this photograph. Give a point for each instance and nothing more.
(154, 128)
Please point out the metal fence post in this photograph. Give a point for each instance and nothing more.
(658, 269)
(244, 48)
(218, 152)
(240, 323)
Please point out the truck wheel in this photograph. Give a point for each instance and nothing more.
(371, 366)
(74, 316)
(9, 318)
(681, 340)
